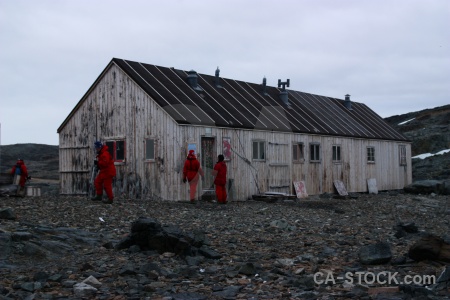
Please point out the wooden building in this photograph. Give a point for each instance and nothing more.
(271, 136)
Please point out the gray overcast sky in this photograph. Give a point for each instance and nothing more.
(394, 56)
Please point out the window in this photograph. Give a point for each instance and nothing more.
(402, 155)
(314, 152)
(298, 152)
(259, 150)
(149, 149)
(117, 150)
(336, 153)
(371, 154)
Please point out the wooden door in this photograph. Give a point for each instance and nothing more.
(207, 159)
(279, 177)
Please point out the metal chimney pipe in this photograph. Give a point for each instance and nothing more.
(348, 102)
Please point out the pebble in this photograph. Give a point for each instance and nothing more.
(256, 250)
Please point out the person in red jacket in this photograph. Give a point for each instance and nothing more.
(20, 169)
(220, 173)
(191, 172)
(104, 179)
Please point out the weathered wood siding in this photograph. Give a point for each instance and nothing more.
(278, 170)
(117, 108)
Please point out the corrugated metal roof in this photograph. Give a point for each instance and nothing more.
(239, 104)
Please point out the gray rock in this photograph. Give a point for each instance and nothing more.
(428, 187)
(84, 290)
(55, 278)
(430, 248)
(149, 234)
(305, 282)
(21, 236)
(27, 286)
(68, 283)
(92, 281)
(209, 253)
(41, 276)
(282, 225)
(188, 296)
(7, 214)
(32, 249)
(379, 253)
(146, 268)
(228, 292)
(128, 269)
(194, 260)
(248, 269)
(403, 229)
(5, 245)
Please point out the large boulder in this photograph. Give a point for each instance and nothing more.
(430, 248)
(149, 234)
(429, 186)
(379, 253)
(7, 213)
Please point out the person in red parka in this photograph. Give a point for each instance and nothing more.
(107, 169)
(220, 173)
(191, 172)
(20, 169)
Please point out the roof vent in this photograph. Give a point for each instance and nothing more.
(193, 80)
(217, 79)
(264, 86)
(283, 93)
(348, 102)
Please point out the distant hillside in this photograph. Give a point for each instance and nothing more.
(429, 129)
(42, 161)
(429, 132)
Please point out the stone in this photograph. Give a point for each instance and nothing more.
(188, 296)
(84, 290)
(430, 248)
(284, 261)
(27, 286)
(7, 214)
(228, 292)
(21, 236)
(149, 234)
(41, 276)
(376, 254)
(209, 253)
(424, 187)
(92, 281)
(248, 269)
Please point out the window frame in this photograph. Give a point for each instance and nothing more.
(402, 155)
(315, 152)
(261, 145)
(298, 152)
(145, 149)
(113, 150)
(370, 154)
(336, 155)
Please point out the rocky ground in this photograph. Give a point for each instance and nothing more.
(54, 247)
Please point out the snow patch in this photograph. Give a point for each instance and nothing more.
(425, 155)
(402, 123)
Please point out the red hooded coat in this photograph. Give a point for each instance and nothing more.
(23, 174)
(105, 162)
(192, 167)
(221, 177)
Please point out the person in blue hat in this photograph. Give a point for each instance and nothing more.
(107, 169)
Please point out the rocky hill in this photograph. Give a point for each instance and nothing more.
(42, 161)
(428, 130)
